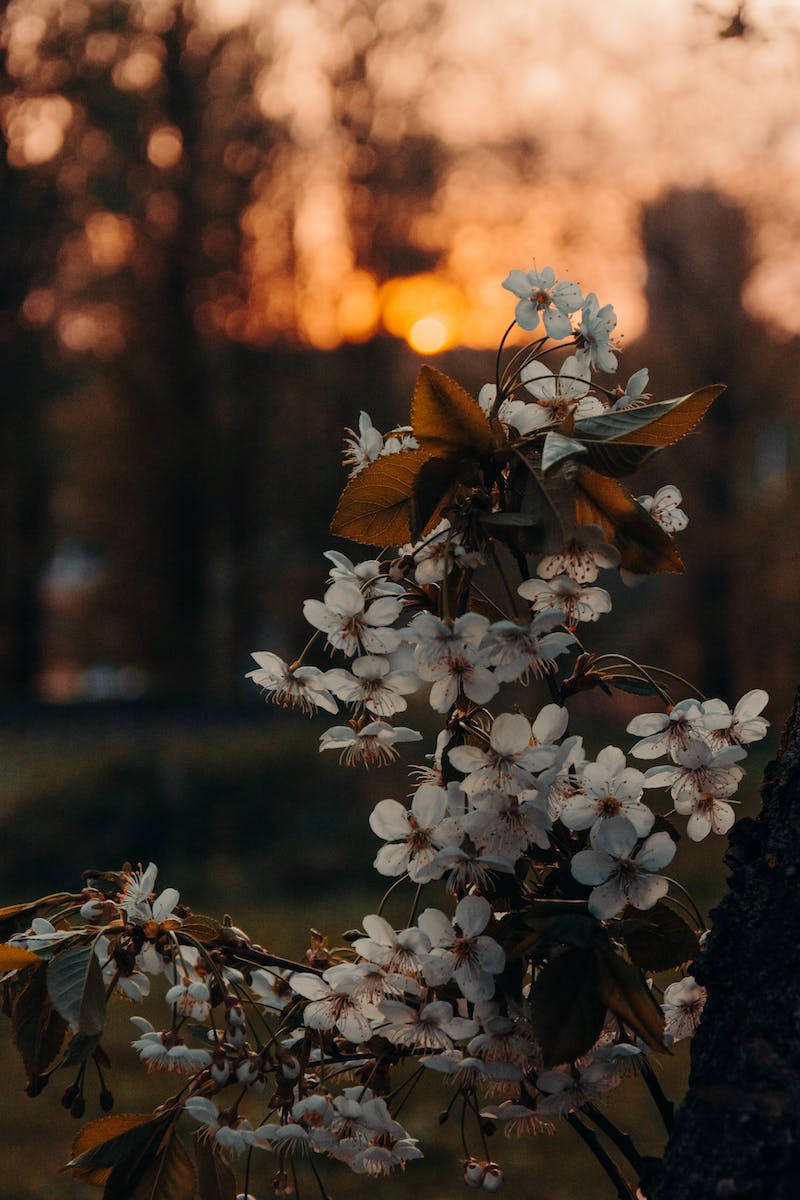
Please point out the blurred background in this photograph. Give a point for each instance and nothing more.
(226, 226)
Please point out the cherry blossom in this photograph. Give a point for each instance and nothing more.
(403, 952)
(683, 1006)
(460, 950)
(413, 836)
(368, 576)
(459, 674)
(363, 447)
(563, 594)
(616, 875)
(595, 330)
(634, 393)
(373, 744)
(556, 396)
(608, 788)
(372, 683)
(509, 761)
(586, 551)
(664, 733)
(351, 628)
(431, 1027)
(333, 1006)
(665, 508)
(538, 293)
(516, 651)
(293, 687)
(740, 727)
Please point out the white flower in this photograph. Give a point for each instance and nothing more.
(466, 1070)
(701, 782)
(538, 293)
(271, 987)
(374, 684)
(460, 950)
(41, 935)
(437, 554)
(459, 674)
(505, 825)
(400, 953)
(471, 869)
(521, 1119)
(367, 575)
(683, 1007)
(556, 397)
(363, 447)
(565, 595)
(740, 727)
(190, 999)
(436, 640)
(586, 551)
(349, 627)
(597, 325)
(414, 835)
(230, 1133)
(296, 687)
(665, 508)
(167, 1051)
(399, 439)
(616, 875)
(608, 788)
(432, 1027)
(666, 733)
(634, 391)
(515, 651)
(373, 744)
(136, 898)
(508, 763)
(333, 1006)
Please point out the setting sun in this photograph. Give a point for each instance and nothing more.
(428, 335)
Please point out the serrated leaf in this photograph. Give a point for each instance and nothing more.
(215, 1179)
(617, 459)
(37, 1029)
(432, 489)
(567, 1011)
(170, 1175)
(659, 939)
(201, 928)
(445, 417)
(557, 447)
(14, 957)
(109, 1141)
(506, 519)
(375, 507)
(643, 545)
(659, 424)
(622, 988)
(75, 984)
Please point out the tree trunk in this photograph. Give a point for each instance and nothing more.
(738, 1130)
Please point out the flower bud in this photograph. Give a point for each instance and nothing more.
(78, 1108)
(282, 1186)
(106, 1100)
(473, 1172)
(493, 1178)
(220, 1068)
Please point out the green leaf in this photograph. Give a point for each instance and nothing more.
(567, 1010)
(515, 519)
(557, 447)
(215, 1179)
(81, 1047)
(617, 458)
(659, 939)
(75, 984)
(660, 424)
(636, 685)
(201, 928)
(622, 988)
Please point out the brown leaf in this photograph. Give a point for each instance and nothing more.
(168, 1176)
(215, 1179)
(622, 988)
(643, 545)
(37, 1029)
(674, 425)
(201, 928)
(375, 506)
(14, 957)
(445, 417)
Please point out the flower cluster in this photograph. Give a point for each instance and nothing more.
(525, 974)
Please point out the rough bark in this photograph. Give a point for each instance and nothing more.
(738, 1130)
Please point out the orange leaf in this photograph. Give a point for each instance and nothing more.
(675, 424)
(96, 1133)
(643, 545)
(13, 957)
(375, 506)
(445, 417)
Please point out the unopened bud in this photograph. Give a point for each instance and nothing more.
(281, 1185)
(106, 1100)
(70, 1093)
(492, 1178)
(78, 1108)
(37, 1085)
(473, 1172)
(444, 1116)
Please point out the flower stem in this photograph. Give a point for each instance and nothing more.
(623, 1141)
(589, 1137)
(664, 1105)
